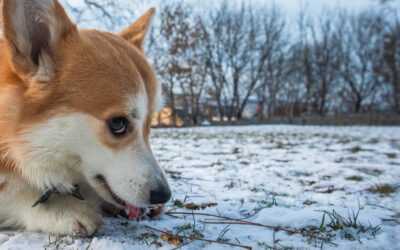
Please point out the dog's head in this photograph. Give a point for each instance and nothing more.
(82, 103)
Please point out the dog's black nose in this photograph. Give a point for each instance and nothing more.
(160, 195)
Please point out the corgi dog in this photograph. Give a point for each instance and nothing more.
(75, 111)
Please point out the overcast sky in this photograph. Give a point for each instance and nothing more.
(290, 8)
(295, 5)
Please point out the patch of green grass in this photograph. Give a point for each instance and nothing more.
(223, 233)
(174, 174)
(146, 237)
(391, 155)
(326, 177)
(384, 189)
(277, 245)
(326, 189)
(306, 183)
(308, 202)
(348, 226)
(189, 230)
(298, 173)
(282, 160)
(61, 242)
(256, 189)
(344, 141)
(236, 151)
(395, 143)
(178, 203)
(373, 141)
(355, 149)
(340, 160)
(268, 202)
(230, 185)
(341, 223)
(263, 245)
(346, 159)
(330, 150)
(350, 158)
(354, 178)
(374, 172)
(218, 163)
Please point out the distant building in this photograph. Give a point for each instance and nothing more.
(163, 118)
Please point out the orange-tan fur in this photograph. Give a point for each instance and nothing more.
(86, 75)
(3, 186)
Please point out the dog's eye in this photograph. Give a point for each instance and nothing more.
(118, 126)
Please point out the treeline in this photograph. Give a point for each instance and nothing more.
(212, 64)
(237, 61)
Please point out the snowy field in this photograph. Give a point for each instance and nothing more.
(335, 187)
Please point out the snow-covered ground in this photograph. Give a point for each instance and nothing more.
(282, 176)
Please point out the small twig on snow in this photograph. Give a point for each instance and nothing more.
(242, 222)
(201, 239)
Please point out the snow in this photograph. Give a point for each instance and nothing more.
(244, 168)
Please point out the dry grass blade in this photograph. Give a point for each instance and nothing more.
(171, 239)
(242, 222)
(183, 244)
(201, 239)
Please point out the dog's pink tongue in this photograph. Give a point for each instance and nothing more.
(133, 211)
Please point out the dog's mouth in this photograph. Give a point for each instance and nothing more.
(132, 212)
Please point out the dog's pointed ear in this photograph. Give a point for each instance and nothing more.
(34, 31)
(136, 32)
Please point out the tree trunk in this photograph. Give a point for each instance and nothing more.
(396, 88)
(358, 104)
(173, 109)
(220, 108)
(396, 96)
(159, 118)
(239, 115)
(271, 107)
(323, 99)
(260, 110)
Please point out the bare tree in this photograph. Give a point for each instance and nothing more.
(294, 91)
(390, 67)
(303, 60)
(193, 87)
(324, 60)
(182, 66)
(215, 62)
(219, 60)
(230, 36)
(271, 66)
(236, 57)
(103, 14)
(171, 68)
(357, 39)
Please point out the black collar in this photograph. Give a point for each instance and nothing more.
(42, 199)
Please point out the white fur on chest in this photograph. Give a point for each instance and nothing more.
(46, 153)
